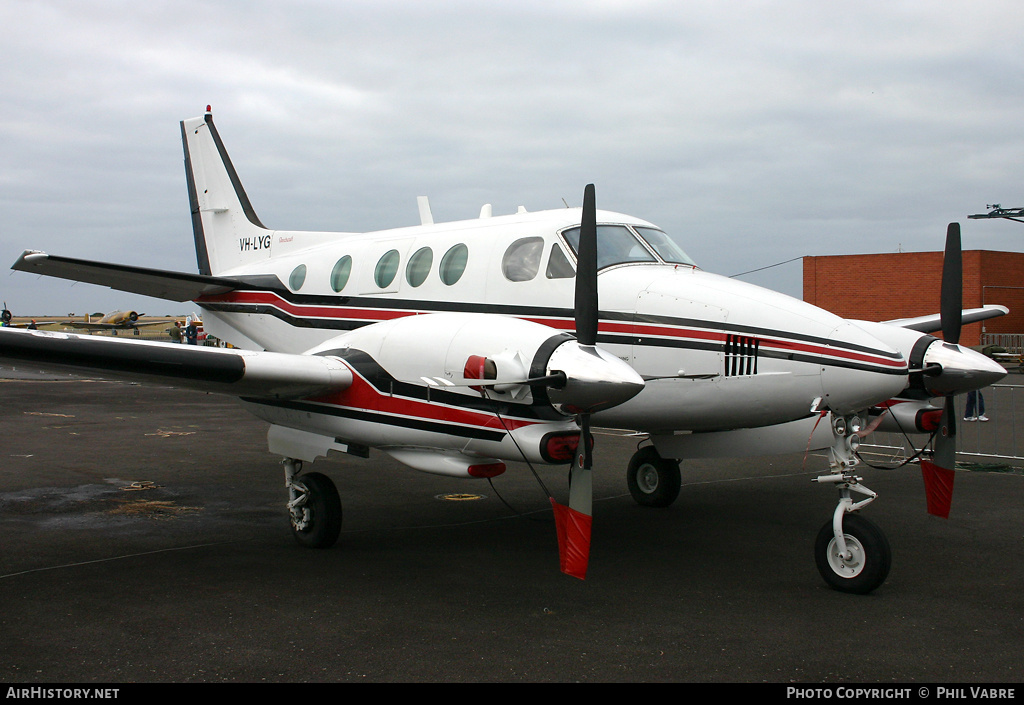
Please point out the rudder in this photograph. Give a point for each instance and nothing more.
(227, 231)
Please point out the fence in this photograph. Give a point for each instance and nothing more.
(1012, 342)
(998, 441)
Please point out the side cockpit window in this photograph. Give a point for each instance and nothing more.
(558, 264)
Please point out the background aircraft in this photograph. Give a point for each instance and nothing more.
(7, 320)
(118, 320)
(457, 347)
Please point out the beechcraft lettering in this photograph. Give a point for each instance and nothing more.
(458, 347)
(251, 244)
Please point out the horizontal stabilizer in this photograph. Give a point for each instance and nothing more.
(226, 371)
(158, 283)
(933, 323)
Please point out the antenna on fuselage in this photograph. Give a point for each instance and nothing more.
(426, 218)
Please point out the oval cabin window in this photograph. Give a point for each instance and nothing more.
(387, 268)
(297, 278)
(340, 273)
(453, 264)
(419, 266)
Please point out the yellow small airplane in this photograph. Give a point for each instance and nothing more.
(118, 320)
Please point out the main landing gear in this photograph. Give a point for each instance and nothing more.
(313, 506)
(653, 481)
(852, 554)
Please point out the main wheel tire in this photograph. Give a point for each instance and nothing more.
(653, 481)
(321, 515)
(870, 560)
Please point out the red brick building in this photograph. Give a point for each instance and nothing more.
(906, 284)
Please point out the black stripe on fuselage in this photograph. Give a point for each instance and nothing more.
(640, 338)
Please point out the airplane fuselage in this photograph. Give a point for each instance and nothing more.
(716, 353)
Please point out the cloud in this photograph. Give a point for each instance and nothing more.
(754, 132)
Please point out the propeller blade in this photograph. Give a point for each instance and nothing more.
(939, 473)
(945, 439)
(573, 523)
(586, 272)
(951, 301)
(938, 487)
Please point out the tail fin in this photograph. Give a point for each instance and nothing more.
(227, 231)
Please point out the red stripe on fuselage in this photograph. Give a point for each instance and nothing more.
(375, 315)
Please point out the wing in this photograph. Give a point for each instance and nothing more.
(126, 325)
(221, 370)
(91, 326)
(158, 283)
(933, 323)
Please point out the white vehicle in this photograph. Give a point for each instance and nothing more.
(456, 347)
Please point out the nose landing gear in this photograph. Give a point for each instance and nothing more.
(851, 552)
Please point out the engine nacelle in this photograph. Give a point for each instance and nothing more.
(907, 416)
(515, 360)
(449, 391)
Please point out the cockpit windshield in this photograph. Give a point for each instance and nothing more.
(665, 246)
(617, 244)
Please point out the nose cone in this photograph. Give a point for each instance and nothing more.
(954, 369)
(594, 379)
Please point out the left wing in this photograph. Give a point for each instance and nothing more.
(221, 370)
(158, 283)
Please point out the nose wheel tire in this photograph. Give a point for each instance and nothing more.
(653, 481)
(316, 518)
(866, 563)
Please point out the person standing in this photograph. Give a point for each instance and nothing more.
(975, 410)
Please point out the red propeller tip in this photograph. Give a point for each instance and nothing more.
(573, 529)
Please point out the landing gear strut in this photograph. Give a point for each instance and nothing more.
(653, 481)
(313, 506)
(852, 554)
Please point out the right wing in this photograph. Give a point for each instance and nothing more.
(932, 323)
(222, 370)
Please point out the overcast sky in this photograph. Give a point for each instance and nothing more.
(753, 132)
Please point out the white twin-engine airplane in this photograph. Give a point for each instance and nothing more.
(455, 347)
